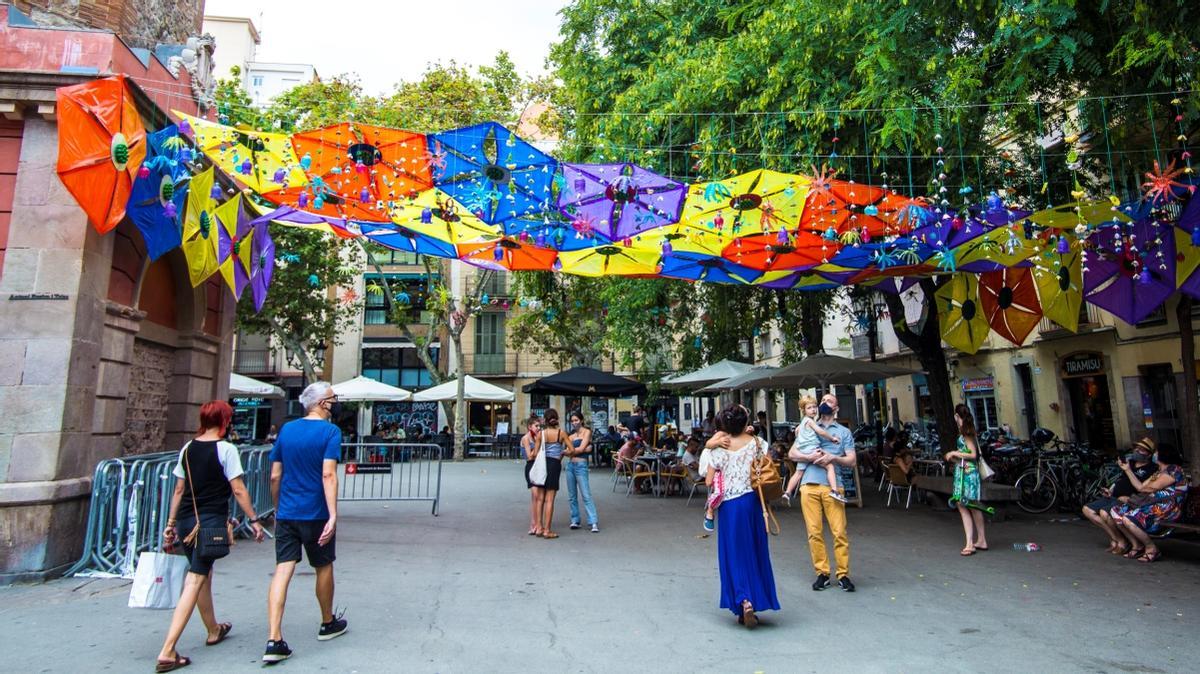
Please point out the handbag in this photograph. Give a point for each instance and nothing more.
(208, 542)
(766, 480)
(538, 471)
(985, 471)
(158, 581)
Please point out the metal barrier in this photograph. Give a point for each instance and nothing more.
(131, 499)
(388, 471)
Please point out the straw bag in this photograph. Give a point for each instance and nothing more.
(766, 480)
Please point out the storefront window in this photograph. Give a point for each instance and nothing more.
(397, 367)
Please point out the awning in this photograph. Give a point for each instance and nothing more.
(366, 389)
(474, 389)
(241, 385)
(585, 381)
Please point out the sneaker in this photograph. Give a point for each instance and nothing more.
(709, 525)
(332, 629)
(787, 499)
(821, 582)
(845, 584)
(277, 651)
(574, 525)
(837, 496)
(595, 528)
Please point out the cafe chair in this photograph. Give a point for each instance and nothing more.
(641, 470)
(884, 467)
(698, 482)
(677, 475)
(898, 480)
(622, 468)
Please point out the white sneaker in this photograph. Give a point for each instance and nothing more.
(595, 528)
(574, 525)
(837, 496)
(787, 499)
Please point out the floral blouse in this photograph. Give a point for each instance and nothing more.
(735, 467)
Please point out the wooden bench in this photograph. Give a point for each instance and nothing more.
(1190, 522)
(991, 493)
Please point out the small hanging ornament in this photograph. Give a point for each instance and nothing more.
(215, 192)
(306, 161)
(143, 172)
(1064, 245)
(279, 177)
(498, 252)
(302, 200)
(313, 280)
(247, 167)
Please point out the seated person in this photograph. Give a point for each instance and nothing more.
(1098, 512)
(889, 444)
(1158, 501)
(691, 453)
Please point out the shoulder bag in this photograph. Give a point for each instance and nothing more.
(538, 471)
(766, 480)
(208, 542)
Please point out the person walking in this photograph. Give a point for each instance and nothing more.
(577, 472)
(551, 440)
(743, 557)
(817, 501)
(304, 484)
(209, 471)
(537, 494)
(967, 486)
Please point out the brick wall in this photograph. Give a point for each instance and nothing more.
(140, 23)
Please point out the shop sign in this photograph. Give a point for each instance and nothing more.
(250, 402)
(979, 384)
(1083, 365)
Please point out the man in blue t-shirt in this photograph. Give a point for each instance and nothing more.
(817, 502)
(304, 485)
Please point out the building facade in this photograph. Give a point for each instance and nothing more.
(102, 353)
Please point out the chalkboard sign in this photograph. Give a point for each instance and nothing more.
(851, 486)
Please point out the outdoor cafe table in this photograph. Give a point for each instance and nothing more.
(656, 459)
(930, 466)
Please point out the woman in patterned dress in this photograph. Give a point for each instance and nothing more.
(744, 562)
(966, 482)
(1161, 501)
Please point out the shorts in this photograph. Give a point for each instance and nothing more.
(1103, 504)
(291, 535)
(198, 565)
(528, 465)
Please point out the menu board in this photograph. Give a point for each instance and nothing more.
(851, 485)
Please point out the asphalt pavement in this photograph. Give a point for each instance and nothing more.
(469, 591)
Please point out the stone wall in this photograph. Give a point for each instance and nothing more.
(140, 23)
(146, 404)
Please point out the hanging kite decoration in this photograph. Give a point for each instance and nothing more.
(483, 195)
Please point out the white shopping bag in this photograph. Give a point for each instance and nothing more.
(158, 581)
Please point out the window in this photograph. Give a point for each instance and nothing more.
(489, 343)
(983, 408)
(1156, 317)
(497, 285)
(397, 366)
(388, 256)
(408, 290)
(256, 81)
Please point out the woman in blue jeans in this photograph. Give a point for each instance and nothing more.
(577, 472)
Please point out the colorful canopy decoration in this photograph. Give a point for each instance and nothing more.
(485, 196)
(101, 145)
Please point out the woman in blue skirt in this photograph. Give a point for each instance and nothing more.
(747, 583)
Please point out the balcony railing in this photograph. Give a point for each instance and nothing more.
(253, 361)
(1089, 318)
(493, 363)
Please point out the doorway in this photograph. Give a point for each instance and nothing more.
(1159, 388)
(1028, 402)
(1091, 411)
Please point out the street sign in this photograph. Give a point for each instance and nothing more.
(368, 468)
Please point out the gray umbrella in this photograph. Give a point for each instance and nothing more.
(710, 374)
(739, 381)
(821, 370)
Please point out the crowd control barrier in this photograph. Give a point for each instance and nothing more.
(391, 471)
(131, 499)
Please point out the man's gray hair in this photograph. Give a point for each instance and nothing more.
(314, 393)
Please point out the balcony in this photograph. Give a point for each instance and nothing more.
(1089, 319)
(494, 364)
(253, 361)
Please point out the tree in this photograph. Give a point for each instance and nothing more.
(703, 90)
(303, 311)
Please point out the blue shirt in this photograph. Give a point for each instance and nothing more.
(302, 447)
(815, 474)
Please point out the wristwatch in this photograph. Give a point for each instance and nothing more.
(252, 520)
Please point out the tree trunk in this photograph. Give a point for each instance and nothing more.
(460, 411)
(293, 345)
(926, 344)
(1189, 421)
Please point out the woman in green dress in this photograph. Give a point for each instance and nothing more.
(966, 482)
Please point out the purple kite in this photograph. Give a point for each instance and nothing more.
(619, 200)
(1131, 270)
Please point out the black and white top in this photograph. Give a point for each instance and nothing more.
(213, 464)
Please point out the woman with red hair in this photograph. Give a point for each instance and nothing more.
(208, 473)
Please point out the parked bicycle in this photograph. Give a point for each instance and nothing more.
(1067, 475)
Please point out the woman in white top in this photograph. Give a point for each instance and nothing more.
(747, 582)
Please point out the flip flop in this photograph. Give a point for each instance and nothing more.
(1149, 557)
(222, 632)
(549, 535)
(967, 552)
(1119, 550)
(1134, 553)
(749, 619)
(981, 549)
(172, 665)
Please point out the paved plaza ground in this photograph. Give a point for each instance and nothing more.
(468, 591)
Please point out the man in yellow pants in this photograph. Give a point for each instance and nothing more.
(818, 505)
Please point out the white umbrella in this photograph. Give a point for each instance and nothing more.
(710, 374)
(241, 385)
(365, 389)
(475, 390)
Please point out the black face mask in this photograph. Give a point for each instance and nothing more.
(335, 410)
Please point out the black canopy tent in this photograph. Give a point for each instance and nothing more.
(585, 381)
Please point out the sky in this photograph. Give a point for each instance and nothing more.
(387, 41)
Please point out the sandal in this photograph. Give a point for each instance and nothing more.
(1134, 553)
(1149, 557)
(172, 665)
(549, 535)
(749, 619)
(533, 532)
(223, 630)
(1119, 549)
(967, 552)
(981, 548)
